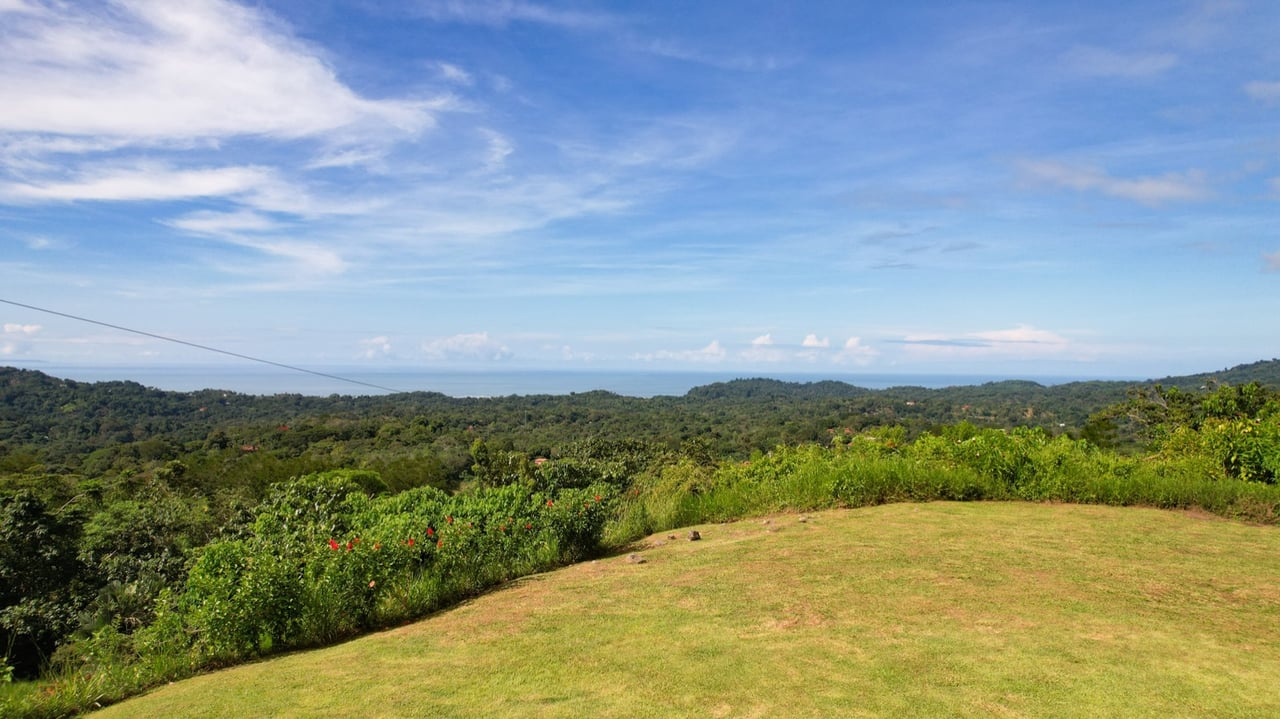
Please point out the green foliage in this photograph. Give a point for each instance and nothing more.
(344, 515)
(40, 580)
(313, 508)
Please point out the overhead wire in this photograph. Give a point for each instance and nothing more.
(196, 345)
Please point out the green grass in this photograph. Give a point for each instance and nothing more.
(903, 610)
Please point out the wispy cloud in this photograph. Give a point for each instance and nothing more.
(1022, 341)
(1102, 62)
(500, 13)
(152, 181)
(674, 50)
(712, 353)
(40, 242)
(1151, 190)
(1263, 91)
(499, 147)
(452, 73)
(208, 222)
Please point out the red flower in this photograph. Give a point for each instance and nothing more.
(410, 542)
(550, 503)
(597, 498)
(440, 544)
(377, 546)
(528, 525)
(449, 519)
(348, 546)
(430, 532)
(333, 544)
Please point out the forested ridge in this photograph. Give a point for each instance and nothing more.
(164, 532)
(59, 423)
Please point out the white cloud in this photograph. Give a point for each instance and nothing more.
(154, 71)
(144, 182)
(1171, 187)
(1101, 62)
(370, 156)
(713, 352)
(813, 347)
(13, 340)
(813, 341)
(673, 50)
(40, 242)
(476, 347)
(568, 354)
(16, 6)
(375, 347)
(1264, 91)
(453, 73)
(499, 146)
(1022, 341)
(763, 349)
(207, 222)
(306, 259)
(854, 352)
(500, 13)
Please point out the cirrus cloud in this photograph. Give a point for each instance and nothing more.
(1148, 190)
(1022, 341)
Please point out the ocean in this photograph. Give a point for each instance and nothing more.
(478, 383)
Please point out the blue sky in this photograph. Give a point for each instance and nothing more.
(1003, 188)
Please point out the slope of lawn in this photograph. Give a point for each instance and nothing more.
(903, 610)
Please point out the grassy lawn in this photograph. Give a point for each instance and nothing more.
(905, 610)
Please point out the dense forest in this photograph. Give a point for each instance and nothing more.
(207, 527)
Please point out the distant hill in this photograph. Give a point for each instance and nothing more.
(56, 420)
(1265, 372)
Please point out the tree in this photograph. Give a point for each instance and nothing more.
(41, 580)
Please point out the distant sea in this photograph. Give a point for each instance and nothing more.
(270, 381)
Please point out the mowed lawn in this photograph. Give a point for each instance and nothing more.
(905, 610)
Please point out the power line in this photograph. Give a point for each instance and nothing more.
(199, 346)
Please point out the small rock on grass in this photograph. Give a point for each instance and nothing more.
(636, 559)
(694, 535)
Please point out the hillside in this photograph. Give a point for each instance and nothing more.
(51, 422)
(906, 610)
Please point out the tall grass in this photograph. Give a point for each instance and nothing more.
(971, 466)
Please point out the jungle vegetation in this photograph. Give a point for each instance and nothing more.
(147, 535)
